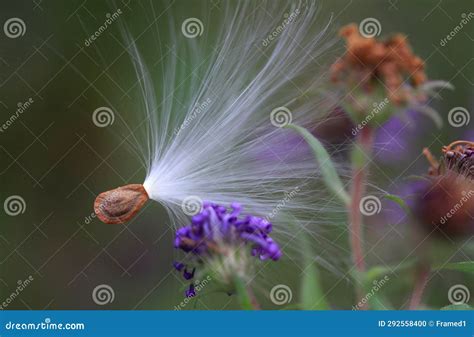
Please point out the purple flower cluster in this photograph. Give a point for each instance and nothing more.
(216, 229)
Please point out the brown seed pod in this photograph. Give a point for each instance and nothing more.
(121, 204)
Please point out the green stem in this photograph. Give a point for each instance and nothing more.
(244, 295)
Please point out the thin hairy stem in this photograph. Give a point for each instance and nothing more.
(245, 296)
(421, 281)
(359, 178)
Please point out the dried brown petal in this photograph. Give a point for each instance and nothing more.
(389, 61)
(121, 204)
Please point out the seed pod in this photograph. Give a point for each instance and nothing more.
(446, 202)
(121, 204)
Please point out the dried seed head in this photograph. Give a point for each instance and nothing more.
(459, 158)
(121, 204)
(446, 204)
(446, 201)
(368, 60)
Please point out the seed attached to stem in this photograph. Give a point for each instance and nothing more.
(121, 204)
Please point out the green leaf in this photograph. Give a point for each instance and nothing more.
(377, 272)
(330, 177)
(380, 302)
(457, 307)
(312, 296)
(399, 201)
(466, 267)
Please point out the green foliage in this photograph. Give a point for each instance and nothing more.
(312, 295)
(399, 201)
(466, 267)
(330, 177)
(457, 307)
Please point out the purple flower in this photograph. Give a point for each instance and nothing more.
(216, 230)
(394, 138)
(188, 275)
(178, 265)
(191, 292)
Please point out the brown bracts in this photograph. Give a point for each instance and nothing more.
(121, 204)
(446, 198)
(369, 61)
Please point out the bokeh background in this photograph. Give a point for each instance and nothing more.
(57, 160)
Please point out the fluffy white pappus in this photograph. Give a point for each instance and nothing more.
(219, 136)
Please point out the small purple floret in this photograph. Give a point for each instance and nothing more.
(216, 226)
(191, 292)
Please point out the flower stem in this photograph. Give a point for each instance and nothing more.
(245, 296)
(422, 279)
(362, 149)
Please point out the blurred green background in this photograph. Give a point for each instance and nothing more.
(57, 160)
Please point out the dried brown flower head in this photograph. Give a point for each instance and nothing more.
(446, 201)
(368, 61)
